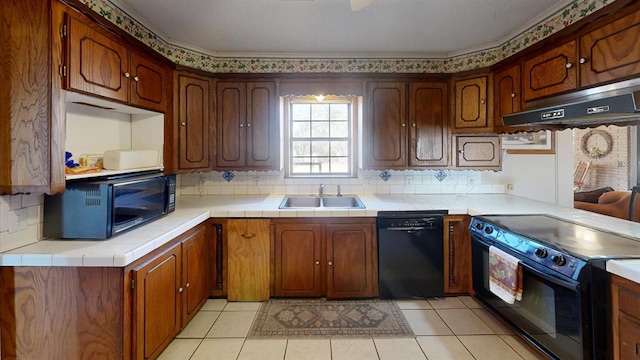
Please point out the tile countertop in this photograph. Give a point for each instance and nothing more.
(123, 249)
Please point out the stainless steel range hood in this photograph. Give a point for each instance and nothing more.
(613, 104)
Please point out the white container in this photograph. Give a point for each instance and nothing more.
(130, 159)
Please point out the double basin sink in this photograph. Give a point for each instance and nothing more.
(327, 202)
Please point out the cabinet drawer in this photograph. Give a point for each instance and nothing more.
(629, 339)
(629, 302)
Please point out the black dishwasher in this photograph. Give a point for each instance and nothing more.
(410, 254)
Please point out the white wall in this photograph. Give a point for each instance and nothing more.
(544, 177)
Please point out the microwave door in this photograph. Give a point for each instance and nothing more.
(137, 202)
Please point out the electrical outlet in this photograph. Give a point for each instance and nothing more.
(256, 181)
(471, 181)
(620, 164)
(509, 186)
(18, 220)
(408, 180)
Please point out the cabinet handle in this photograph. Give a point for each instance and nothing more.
(569, 65)
(186, 285)
(183, 123)
(582, 60)
(414, 124)
(180, 290)
(249, 125)
(330, 263)
(403, 125)
(317, 262)
(513, 95)
(248, 236)
(460, 151)
(482, 101)
(241, 125)
(127, 75)
(135, 78)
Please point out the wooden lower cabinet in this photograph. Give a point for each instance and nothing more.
(625, 307)
(457, 255)
(316, 257)
(248, 250)
(131, 312)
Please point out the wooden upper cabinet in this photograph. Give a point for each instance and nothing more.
(194, 123)
(478, 152)
(248, 132)
(32, 129)
(428, 124)
(472, 105)
(611, 52)
(385, 125)
(552, 72)
(103, 65)
(506, 92)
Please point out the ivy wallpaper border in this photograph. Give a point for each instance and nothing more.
(469, 61)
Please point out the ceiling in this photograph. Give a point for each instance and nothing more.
(407, 28)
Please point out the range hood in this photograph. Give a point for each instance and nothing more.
(613, 104)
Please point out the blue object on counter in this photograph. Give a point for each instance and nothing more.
(68, 161)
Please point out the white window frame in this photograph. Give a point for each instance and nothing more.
(355, 108)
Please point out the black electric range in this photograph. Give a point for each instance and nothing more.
(563, 310)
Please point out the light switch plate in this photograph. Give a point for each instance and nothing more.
(18, 220)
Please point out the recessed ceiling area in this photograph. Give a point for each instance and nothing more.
(411, 28)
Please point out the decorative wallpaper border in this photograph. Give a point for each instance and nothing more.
(473, 60)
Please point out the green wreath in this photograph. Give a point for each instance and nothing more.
(595, 152)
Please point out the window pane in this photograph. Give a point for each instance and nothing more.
(301, 165)
(320, 112)
(339, 129)
(339, 111)
(320, 129)
(320, 165)
(339, 148)
(301, 111)
(301, 148)
(301, 129)
(339, 165)
(320, 148)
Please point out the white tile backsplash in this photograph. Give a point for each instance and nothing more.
(368, 182)
(29, 206)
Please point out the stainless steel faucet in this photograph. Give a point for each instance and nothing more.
(321, 191)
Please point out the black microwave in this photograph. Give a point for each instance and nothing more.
(103, 207)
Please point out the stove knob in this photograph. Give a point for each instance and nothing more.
(541, 253)
(558, 260)
(488, 229)
(479, 226)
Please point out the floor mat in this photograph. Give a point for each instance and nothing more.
(329, 318)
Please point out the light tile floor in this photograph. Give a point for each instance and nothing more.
(456, 328)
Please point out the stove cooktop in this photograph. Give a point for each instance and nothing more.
(574, 239)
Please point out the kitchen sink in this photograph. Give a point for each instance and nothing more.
(334, 202)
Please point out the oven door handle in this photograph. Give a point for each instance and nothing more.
(550, 278)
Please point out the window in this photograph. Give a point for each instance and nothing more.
(320, 136)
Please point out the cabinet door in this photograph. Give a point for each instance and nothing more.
(193, 118)
(478, 152)
(472, 105)
(195, 272)
(457, 255)
(350, 261)
(506, 92)
(156, 318)
(262, 128)
(97, 64)
(248, 260)
(428, 119)
(298, 260)
(551, 72)
(231, 120)
(385, 125)
(148, 81)
(611, 52)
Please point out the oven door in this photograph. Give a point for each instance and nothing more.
(550, 313)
